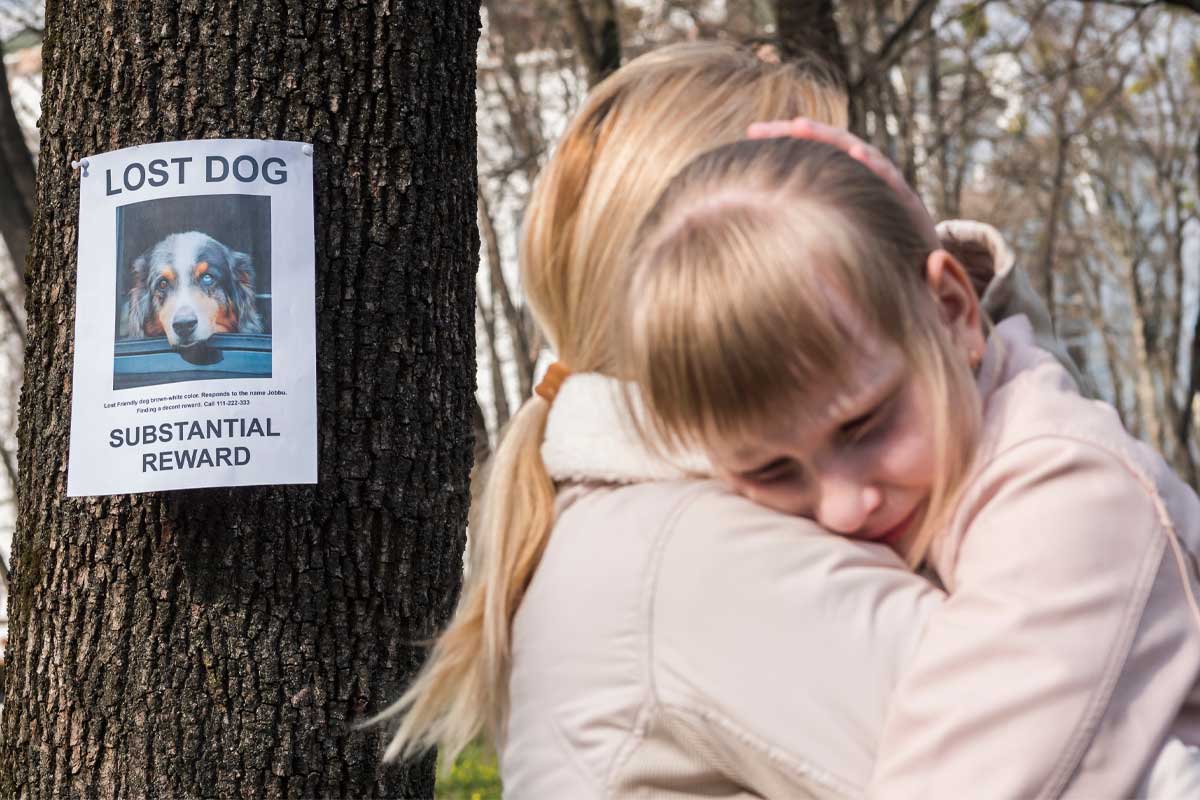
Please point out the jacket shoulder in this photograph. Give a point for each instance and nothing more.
(760, 619)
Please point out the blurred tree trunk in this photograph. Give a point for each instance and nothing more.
(16, 178)
(596, 32)
(222, 642)
(807, 29)
(1187, 415)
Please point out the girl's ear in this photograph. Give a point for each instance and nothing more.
(958, 305)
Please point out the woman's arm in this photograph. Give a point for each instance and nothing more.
(1065, 648)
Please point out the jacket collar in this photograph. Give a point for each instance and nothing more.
(590, 438)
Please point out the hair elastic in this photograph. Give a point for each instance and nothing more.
(556, 373)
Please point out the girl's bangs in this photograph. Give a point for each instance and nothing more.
(747, 315)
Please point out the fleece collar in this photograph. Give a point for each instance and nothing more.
(589, 438)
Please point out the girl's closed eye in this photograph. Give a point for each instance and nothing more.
(776, 471)
(873, 425)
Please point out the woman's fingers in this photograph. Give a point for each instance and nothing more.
(802, 128)
(771, 130)
(868, 156)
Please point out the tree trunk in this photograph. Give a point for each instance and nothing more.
(597, 35)
(1058, 189)
(1187, 418)
(807, 29)
(16, 181)
(222, 642)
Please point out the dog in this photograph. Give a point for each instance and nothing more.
(188, 287)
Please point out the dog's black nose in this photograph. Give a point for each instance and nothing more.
(185, 326)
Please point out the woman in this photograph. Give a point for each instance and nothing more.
(629, 627)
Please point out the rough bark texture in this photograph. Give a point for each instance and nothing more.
(222, 642)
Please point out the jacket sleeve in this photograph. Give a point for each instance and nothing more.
(776, 645)
(1065, 648)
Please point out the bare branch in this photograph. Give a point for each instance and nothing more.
(496, 371)
(524, 356)
(891, 50)
(1190, 5)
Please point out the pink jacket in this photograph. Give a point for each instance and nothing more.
(679, 641)
(1070, 641)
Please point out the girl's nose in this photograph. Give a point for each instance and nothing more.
(845, 505)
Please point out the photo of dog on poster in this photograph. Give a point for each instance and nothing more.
(193, 290)
(188, 287)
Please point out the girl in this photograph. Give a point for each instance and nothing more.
(786, 316)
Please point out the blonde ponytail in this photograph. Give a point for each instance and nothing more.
(462, 690)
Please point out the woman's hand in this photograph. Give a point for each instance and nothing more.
(868, 156)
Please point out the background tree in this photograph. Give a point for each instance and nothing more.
(16, 182)
(808, 28)
(221, 642)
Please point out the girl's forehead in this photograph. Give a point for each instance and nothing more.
(815, 411)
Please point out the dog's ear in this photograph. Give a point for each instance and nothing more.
(137, 320)
(249, 320)
(140, 267)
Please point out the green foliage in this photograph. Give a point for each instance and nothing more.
(474, 776)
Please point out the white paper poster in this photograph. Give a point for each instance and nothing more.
(195, 330)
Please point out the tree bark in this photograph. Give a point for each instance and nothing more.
(222, 642)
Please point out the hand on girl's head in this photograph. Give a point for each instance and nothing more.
(860, 151)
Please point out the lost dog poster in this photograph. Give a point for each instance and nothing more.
(195, 341)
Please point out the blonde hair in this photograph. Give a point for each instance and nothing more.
(765, 272)
(635, 130)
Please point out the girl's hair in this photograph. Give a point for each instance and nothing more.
(635, 130)
(766, 270)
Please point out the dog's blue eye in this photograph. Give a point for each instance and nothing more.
(207, 280)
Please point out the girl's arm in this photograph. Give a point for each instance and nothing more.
(1066, 646)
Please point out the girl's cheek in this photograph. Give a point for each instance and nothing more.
(911, 459)
(908, 456)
